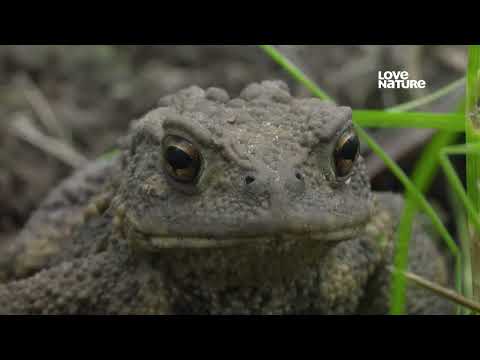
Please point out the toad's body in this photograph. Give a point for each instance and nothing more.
(251, 205)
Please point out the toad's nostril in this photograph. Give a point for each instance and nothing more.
(299, 176)
(249, 180)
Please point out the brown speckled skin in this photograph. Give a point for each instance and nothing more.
(122, 237)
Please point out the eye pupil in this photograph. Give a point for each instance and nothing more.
(177, 158)
(346, 152)
(349, 150)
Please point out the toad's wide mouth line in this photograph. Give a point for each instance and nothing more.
(181, 241)
(170, 239)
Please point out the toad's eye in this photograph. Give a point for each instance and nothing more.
(346, 153)
(182, 159)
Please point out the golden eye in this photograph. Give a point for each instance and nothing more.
(182, 159)
(346, 153)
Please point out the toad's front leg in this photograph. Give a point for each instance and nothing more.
(100, 284)
(343, 276)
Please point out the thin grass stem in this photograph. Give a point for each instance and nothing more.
(295, 72)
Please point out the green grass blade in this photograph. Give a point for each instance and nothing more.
(422, 203)
(461, 224)
(472, 212)
(379, 118)
(295, 72)
(398, 285)
(110, 154)
(455, 181)
(422, 176)
(410, 187)
(425, 100)
(472, 130)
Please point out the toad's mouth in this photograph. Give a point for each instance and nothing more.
(172, 240)
(206, 242)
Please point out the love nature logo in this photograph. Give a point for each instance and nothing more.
(398, 80)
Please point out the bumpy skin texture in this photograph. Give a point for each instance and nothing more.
(267, 227)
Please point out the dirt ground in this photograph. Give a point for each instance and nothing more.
(62, 105)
